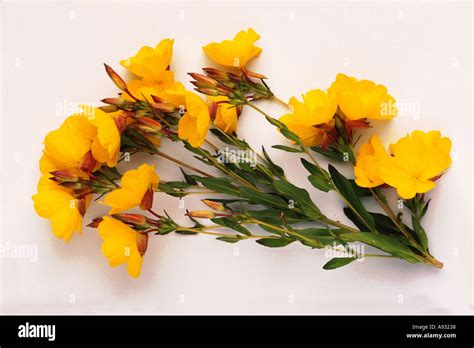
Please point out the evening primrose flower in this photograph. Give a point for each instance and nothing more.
(122, 244)
(235, 53)
(106, 142)
(417, 160)
(137, 186)
(152, 63)
(194, 125)
(311, 118)
(59, 205)
(360, 99)
(224, 114)
(366, 169)
(69, 146)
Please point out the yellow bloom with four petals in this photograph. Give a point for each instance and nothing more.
(417, 160)
(366, 169)
(308, 118)
(137, 186)
(237, 52)
(58, 204)
(194, 125)
(224, 114)
(122, 244)
(359, 99)
(152, 63)
(66, 147)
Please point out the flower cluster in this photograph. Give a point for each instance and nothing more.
(82, 159)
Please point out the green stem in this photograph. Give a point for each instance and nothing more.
(181, 163)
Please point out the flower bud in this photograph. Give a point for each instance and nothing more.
(166, 108)
(202, 214)
(121, 103)
(81, 206)
(203, 80)
(108, 108)
(208, 91)
(147, 200)
(132, 219)
(119, 82)
(142, 243)
(217, 206)
(61, 176)
(149, 125)
(217, 74)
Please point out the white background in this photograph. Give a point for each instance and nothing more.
(52, 58)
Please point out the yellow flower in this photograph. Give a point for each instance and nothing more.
(106, 142)
(311, 118)
(152, 63)
(366, 169)
(224, 114)
(144, 89)
(236, 53)
(195, 123)
(363, 99)
(137, 188)
(418, 159)
(58, 204)
(66, 147)
(122, 244)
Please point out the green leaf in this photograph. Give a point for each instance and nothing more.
(221, 185)
(292, 136)
(275, 169)
(346, 189)
(420, 232)
(360, 191)
(287, 148)
(230, 239)
(232, 224)
(274, 216)
(275, 242)
(300, 197)
(338, 262)
(319, 237)
(188, 178)
(221, 136)
(329, 153)
(267, 199)
(385, 243)
(320, 183)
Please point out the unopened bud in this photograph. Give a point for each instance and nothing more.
(108, 108)
(119, 82)
(217, 74)
(202, 214)
(61, 176)
(217, 206)
(208, 91)
(253, 74)
(203, 80)
(133, 219)
(147, 200)
(149, 125)
(118, 102)
(166, 108)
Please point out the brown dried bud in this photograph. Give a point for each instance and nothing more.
(166, 108)
(142, 243)
(149, 125)
(147, 200)
(61, 176)
(208, 91)
(119, 82)
(203, 80)
(95, 223)
(88, 162)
